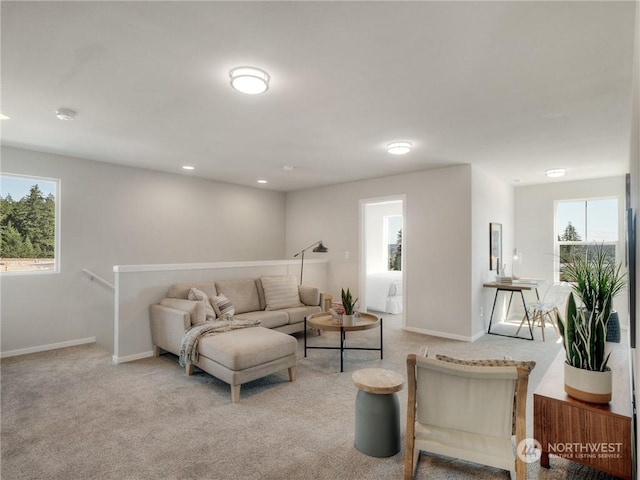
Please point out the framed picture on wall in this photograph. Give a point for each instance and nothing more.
(495, 245)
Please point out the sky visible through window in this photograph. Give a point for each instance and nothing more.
(393, 227)
(594, 220)
(18, 187)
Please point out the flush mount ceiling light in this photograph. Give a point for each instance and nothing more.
(262, 181)
(399, 148)
(249, 80)
(556, 172)
(65, 114)
(188, 167)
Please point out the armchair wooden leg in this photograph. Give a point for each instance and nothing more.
(292, 374)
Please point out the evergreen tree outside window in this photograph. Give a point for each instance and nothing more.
(581, 223)
(29, 218)
(393, 235)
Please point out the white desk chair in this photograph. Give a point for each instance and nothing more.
(549, 307)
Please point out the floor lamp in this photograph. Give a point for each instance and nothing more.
(319, 249)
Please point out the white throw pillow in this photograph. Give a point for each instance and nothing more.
(281, 292)
(223, 305)
(200, 296)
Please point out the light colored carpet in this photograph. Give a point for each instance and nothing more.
(70, 414)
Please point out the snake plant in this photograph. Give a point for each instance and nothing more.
(348, 302)
(596, 280)
(584, 335)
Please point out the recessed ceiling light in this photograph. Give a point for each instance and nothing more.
(262, 181)
(249, 80)
(65, 114)
(188, 167)
(3, 117)
(399, 148)
(556, 172)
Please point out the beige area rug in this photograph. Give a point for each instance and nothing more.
(71, 414)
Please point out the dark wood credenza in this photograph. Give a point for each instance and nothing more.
(595, 435)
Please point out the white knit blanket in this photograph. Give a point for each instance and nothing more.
(189, 352)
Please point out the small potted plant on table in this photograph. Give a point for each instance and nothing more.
(348, 304)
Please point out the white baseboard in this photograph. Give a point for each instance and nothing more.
(451, 336)
(131, 358)
(44, 348)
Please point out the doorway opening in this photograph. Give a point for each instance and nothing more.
(383, 247)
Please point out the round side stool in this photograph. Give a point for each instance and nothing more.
(377, 411)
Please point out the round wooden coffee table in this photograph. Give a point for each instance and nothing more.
(324, 321)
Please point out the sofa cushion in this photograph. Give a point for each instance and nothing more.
(200, 296)
(281, 292)
(222, 305)
(242, 293)
(196, 309)
(247, 347)
(267, 319)
(181, 290)
(297, 314)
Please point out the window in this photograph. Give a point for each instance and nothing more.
(29, 213)
(580, 223)
(393, 237)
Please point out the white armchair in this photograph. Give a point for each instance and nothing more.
(466, 411)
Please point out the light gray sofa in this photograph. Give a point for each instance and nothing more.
(243, 355)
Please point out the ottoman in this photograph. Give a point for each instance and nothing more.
(246, 354)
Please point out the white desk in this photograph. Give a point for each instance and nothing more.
(517, 286)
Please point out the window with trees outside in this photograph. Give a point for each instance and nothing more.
(393, 233)
(581, 223)
(29, 213)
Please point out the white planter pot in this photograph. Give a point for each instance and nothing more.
(347, 320)
(586, 385)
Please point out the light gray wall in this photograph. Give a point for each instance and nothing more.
(534, 224)
(115, 215)
(492, 201)
(436, 241)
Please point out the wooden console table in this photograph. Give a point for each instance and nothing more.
(595, 435)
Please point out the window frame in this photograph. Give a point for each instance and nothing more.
(557, 243)
(57, 225)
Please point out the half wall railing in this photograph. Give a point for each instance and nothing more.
(92, 276)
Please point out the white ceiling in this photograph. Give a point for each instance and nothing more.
(513, 87)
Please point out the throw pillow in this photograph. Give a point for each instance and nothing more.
(222, 305)
(281, 292)
(196, 309)
(200, 296)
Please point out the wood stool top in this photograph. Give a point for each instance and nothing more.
(377, 380)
